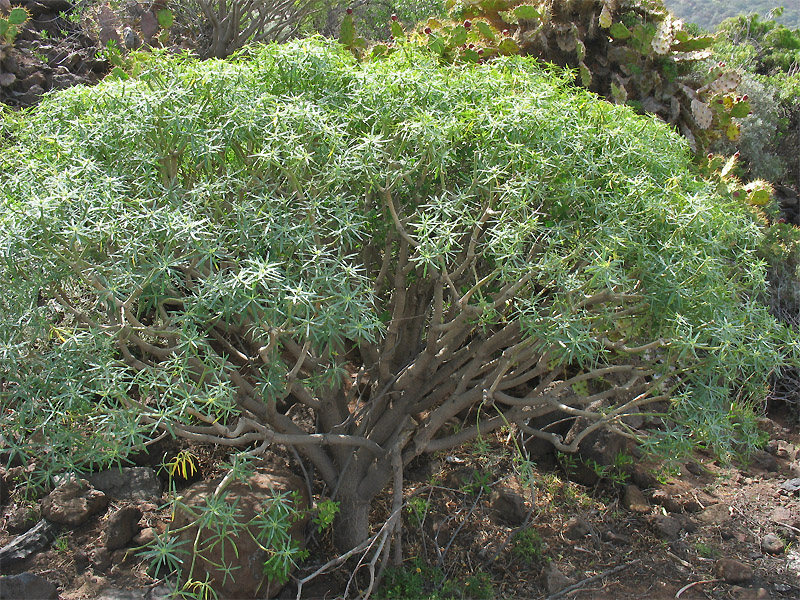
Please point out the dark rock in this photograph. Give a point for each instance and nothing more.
(769, 426)
(10, 63)
(128, 483)
(101, 559)
(634, 500)
(108, 23)
(122, 526)
(508, 506)
(148, 24)
(5, 488)
(81, 560)
(31, 96)
(73, 502)
(460, 477)
(53, 6)
(96, 65)
(30, 542)
(576, 529)
(600, 447)
(772, 544)
(72, 61)
(7, 79)
(763, 460)
(666, 527)
(694, 468)
(791, 485)
(144, 537)
(60, 82)
(540, 450)
(160, 592)
(555, 580)
(35, 79)
(733, 571)
(687, 523)
(240, 551)
(667, 500)
(716, 514)
(642, 477)
(782, 515)
(691, 505)
(615, 538)
(22, 518)
(27, 586)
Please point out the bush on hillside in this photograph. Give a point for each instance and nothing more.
(769, 55)
(350, 259)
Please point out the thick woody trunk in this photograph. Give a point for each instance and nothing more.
(351, 526)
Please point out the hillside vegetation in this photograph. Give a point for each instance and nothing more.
(709, 13)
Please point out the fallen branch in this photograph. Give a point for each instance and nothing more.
(583, 582)
(691, 585)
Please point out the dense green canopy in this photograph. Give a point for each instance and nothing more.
(173, 246)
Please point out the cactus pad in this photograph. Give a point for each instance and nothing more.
(702, 114)
(725, 82)
(17, 16)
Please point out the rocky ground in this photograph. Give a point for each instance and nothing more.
(705, 530)
(51, 52)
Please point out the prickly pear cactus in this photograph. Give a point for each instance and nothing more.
(758, 193)
(630, 51)
(10, 24)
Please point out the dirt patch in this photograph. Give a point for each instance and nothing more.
(574, 541)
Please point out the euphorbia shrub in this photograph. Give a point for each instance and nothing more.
(297, 249)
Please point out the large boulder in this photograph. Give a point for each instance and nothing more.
(122, 526)
(237, 549)
(128, 483)
(73, 502)
(27, 586)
